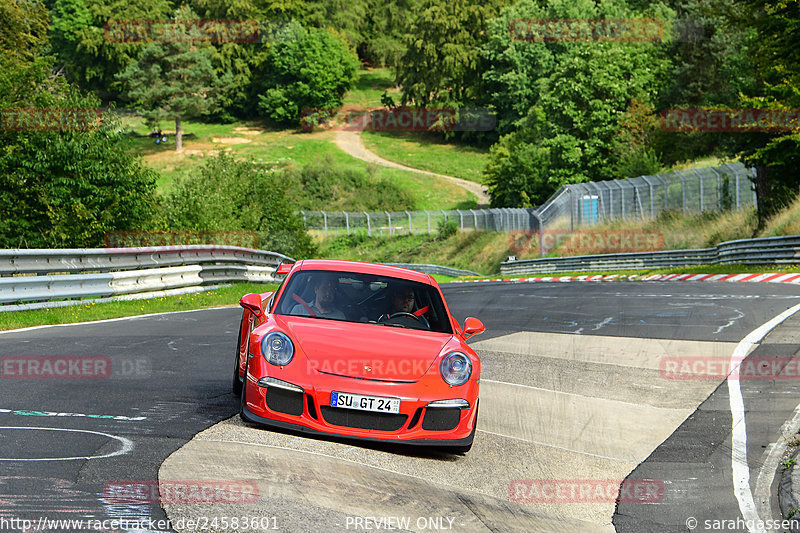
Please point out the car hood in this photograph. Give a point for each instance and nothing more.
(367, 351)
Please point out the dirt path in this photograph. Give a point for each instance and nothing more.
(350, 142)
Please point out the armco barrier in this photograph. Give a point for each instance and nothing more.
(43, 275)
(763, 251)
(436, 269)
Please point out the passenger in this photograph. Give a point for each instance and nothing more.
(322, 306)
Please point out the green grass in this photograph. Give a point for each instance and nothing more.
(89, 311)
(276, 147)
(370, 86)
(430, 152)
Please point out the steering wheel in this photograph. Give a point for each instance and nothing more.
(384, 317)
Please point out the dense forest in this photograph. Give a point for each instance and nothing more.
(569, 107)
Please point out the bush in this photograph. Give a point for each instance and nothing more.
(324, 184)
(446, 229)
(226, 195)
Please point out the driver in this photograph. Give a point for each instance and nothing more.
(324, 296)
(402, 300)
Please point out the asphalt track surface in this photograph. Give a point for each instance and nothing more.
(571, 384)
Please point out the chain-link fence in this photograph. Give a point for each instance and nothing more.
(405, 222)
(578, 205)
(720, 188)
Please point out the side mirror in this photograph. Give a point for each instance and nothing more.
(473, 326)
(284, 269)
(252, 302)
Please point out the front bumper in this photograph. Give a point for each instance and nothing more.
(416, 423)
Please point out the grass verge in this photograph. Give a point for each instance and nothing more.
(429, 152)
(89, 311)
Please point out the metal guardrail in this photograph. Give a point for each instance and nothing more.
(762, 251)
(436, 269)
(42, 274)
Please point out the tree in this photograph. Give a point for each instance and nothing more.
(23, 38)
(175, 80)
(442, 64)
(86, 46)
(562, 101)
(305, 69)
(776, 58)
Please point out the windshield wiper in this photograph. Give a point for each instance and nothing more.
(394, 325)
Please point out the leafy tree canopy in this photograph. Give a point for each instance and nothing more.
(306, 68)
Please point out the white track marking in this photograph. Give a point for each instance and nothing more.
(31, 328)
(127, 445)
(739, 467)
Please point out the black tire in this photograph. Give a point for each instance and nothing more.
(237, 381)
(243, 397)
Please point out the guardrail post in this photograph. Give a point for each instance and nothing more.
(369, 227)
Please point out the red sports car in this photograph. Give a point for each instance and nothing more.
(358, 350)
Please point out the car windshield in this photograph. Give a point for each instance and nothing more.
(366, 298)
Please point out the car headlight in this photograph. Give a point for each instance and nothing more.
(277, 348)
(456, 368)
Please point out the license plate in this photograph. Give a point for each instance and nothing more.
(376, 404)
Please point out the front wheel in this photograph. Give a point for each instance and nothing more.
(237, 381)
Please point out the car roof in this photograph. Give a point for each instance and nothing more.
(363, 268)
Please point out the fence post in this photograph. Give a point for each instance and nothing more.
(666, 191)
(539, 230)
(369, 227)
(571, 209)
(390, 221)
(621, 198)
(652, 201)
(429, 220)
(683, 189)
(461, 217)
(325, 218)
(702, 199)
(719, 188)
(474, 219)
(347, 221)
(409, 222)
